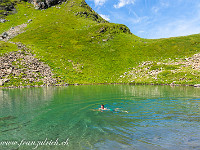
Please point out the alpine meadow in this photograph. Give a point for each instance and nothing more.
(79, 47)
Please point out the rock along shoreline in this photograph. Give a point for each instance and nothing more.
(76, 84)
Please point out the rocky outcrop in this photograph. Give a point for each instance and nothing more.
(12, 32)
(193, 61)
(24, 67)
(3, 20)
(186, 70)
(6, 8)
(197, 85)
(118, 28)
(43, 4)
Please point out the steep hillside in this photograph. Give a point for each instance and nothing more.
(81, 47)
(6, 8)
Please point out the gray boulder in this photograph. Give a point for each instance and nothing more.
(1, 82)
(2, 20)
(197, 85)
(43, 4)
(4, 35)
(29, 20)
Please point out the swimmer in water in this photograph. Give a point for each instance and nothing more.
(103, 108)
(116, 109)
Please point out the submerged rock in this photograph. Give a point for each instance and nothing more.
(7, 118)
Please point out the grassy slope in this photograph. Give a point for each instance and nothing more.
(74, 46)
(7, 47)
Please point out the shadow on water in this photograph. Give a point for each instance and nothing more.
(159, 117)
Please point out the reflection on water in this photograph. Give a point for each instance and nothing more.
(160, 117)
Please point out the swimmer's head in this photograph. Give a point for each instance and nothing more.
(102, 106)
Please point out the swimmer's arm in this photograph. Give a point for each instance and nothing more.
(98, 109)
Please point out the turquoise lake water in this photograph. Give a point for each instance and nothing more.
(158, 118)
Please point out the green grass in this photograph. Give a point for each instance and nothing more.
(163, 73)
(24, 11)
(163, 66)
(19, 81)
(7, 47)
(85, 49)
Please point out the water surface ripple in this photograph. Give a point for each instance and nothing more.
(159, 117)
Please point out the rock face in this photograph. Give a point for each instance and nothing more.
(42, 4)
(23, 66)
(6, 8)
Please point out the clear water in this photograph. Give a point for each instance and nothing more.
(159, 117)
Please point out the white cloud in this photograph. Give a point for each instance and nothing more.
(106, 17)
(155, 9)
(99, 2)
(139, 19)
(136, 18)
(176, 28)
(162, 5)
(141, 31)
(122, 3)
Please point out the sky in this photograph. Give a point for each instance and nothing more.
(152, 19)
